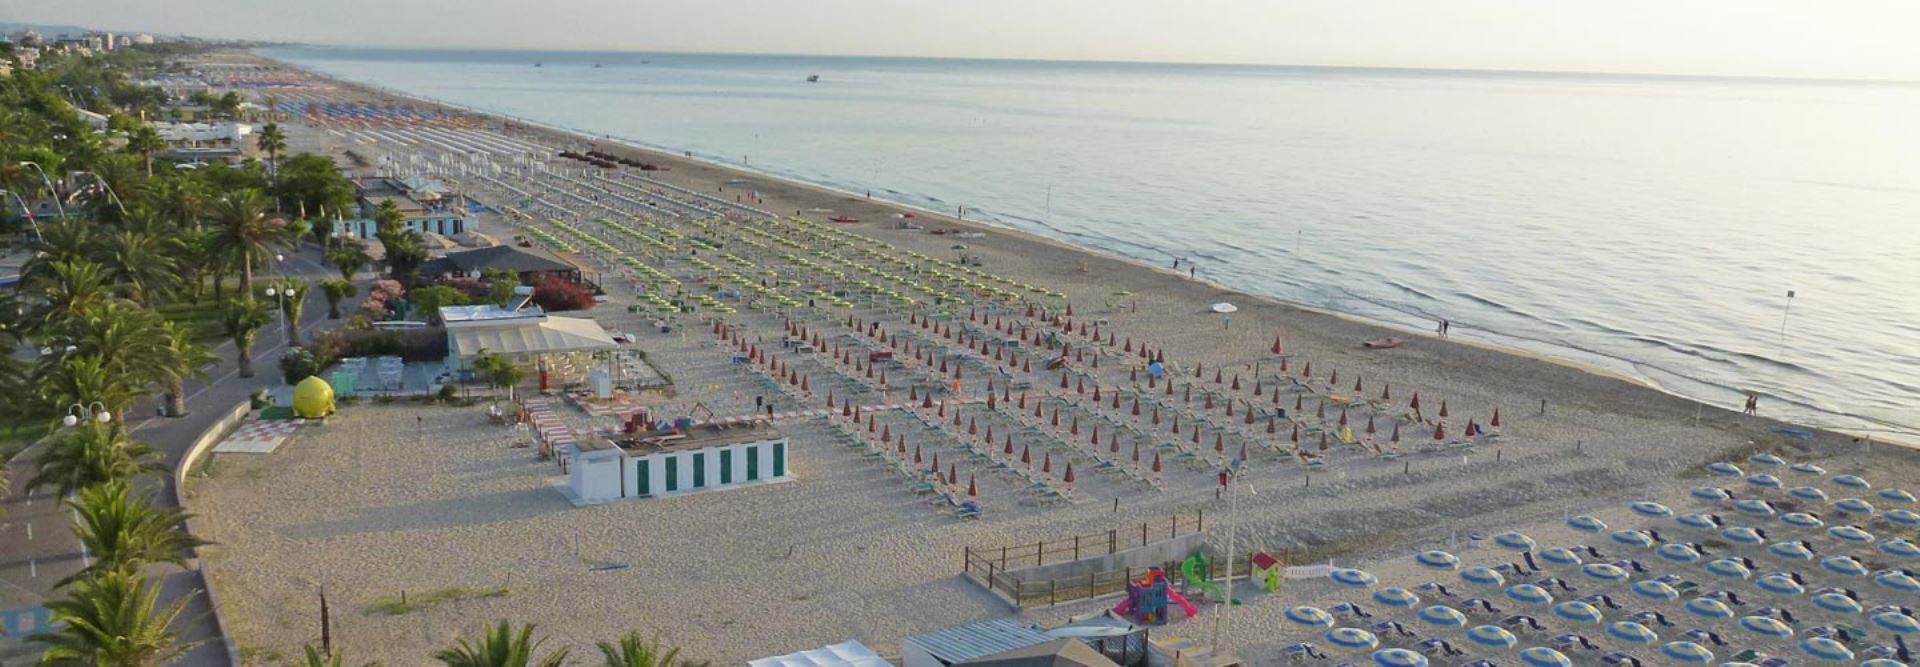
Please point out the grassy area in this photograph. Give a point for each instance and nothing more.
(404, 603)
(202, 318)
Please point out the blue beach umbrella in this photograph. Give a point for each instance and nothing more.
(1808, 469)
(1655, 590)
(1729, 568)
(1808, 493)
(1743, 535)
(1352, 578)
(1791, 551)
(1822, 648)
(1687, 652)
(1724, 469)
(1482, 576)
(1712, 494)
(1836, 603)
(1578, 611)
(1844, 566)
(1437, 560)
(1900, 548)
(1901, 517)
(1587, 524)
(1780, 584)
(1766, 626)
(1801, 520)
(1398, 657)
(1442, 616)
(1604, 572)
(1631, 633)
(1560, 557)
(1897, 623)
(1709, 608)
(1881, 662)
(1764, 459)
(1898, 581)
(1850, 534)
(1312, 617)
(1754, 506)
(1852, 482)
(1396, 597)
(1529, 594)
(1853, 506)
(1896, 496)
(1492, 635)
(1541, 656)
(1697, 520)
(1650, 509)
(1515, 540)
(1632, 538)
(1352, 639)
(1764, 481)
(1678, 553)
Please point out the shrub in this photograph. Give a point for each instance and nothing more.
(554, 293)
(298, 364)
(446, 394)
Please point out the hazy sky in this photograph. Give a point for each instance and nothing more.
(1819, 38)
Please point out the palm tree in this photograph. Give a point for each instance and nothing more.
(125, 531)
(178, 197)
(293, 302)
(499, 371)
(60, 242)
(272, 141)
(350, 258)
(128, 343)
(501, 647)
(111, 620)
(66, 379)
(70, 289)
(336, 289)
(246, 232)
(631, 652)
(88, 454)
(143, 263)
(242, 319)
(186, 360)
(144, 141)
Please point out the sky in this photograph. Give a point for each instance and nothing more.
(1866, 39)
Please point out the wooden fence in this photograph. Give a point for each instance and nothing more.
(990, 566)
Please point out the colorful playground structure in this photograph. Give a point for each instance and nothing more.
(1147, 599)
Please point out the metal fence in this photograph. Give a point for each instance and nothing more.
(990, 566)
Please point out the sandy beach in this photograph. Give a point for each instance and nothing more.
(364, 509)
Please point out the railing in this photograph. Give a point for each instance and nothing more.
(990, 566)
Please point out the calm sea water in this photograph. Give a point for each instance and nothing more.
(1650, 226)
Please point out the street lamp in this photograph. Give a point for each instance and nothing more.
(43, 179)
(281, 307)
(78, 410)
(1228, 477)
(31, 219)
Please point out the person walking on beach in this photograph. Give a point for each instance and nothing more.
(1753, 405)
(1443, 328)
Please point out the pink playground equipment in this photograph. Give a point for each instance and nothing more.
(1147, 599)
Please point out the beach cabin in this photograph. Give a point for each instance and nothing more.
(675, 461)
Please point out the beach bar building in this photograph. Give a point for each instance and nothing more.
(674, 461)
(523, 333)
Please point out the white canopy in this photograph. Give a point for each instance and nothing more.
(554, 334)
(850, 653)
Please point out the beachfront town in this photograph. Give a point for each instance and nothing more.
(306, 372)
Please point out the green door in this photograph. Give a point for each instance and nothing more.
(753, 463)
(673, 473)
(699, 470)
(779, 460)
(726, 466)
(644, 472)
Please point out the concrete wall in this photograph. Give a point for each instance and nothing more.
(1157, 553)
(213, 435)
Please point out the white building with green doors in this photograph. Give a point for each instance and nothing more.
(666, 463)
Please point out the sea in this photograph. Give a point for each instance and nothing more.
(1712, 237)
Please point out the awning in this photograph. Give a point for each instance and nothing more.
(556, 334)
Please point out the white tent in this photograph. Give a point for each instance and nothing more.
(850, 653)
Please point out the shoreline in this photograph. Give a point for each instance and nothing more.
(927, 217)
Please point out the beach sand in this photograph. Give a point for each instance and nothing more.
(366, 510)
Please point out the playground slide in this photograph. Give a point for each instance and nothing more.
(1125, 608)
(1176, 598)
(1193, 569)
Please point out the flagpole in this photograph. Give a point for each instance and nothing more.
(1784, 315)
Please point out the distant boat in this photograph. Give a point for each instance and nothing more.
(847, 219)
(536, 64)
(813, 78)
(596, 65)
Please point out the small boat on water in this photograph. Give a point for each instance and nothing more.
(1383, 343)
(536, 64)
(813, 78)
(848, 219)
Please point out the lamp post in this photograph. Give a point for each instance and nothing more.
(280, 306)
(78, 411)
(1227, 478)
(31, 219)
(50, 193)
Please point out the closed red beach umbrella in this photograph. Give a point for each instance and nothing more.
(1443, 408)
(972, 488)
(1495, 422)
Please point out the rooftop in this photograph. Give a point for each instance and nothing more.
(512, 259)
(701, 435)
(488, 312)
(979, 640)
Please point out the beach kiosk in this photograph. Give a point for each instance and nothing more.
(677, 458)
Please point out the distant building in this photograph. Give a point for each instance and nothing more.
(430, 206)
(192, 155)
(199, 133)
(143, 39)
(26, 37)
(527, 264)
(27, 55)
(672, 461)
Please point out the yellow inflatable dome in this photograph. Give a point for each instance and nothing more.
(313, 398)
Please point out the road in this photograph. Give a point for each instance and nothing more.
(37, 548)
